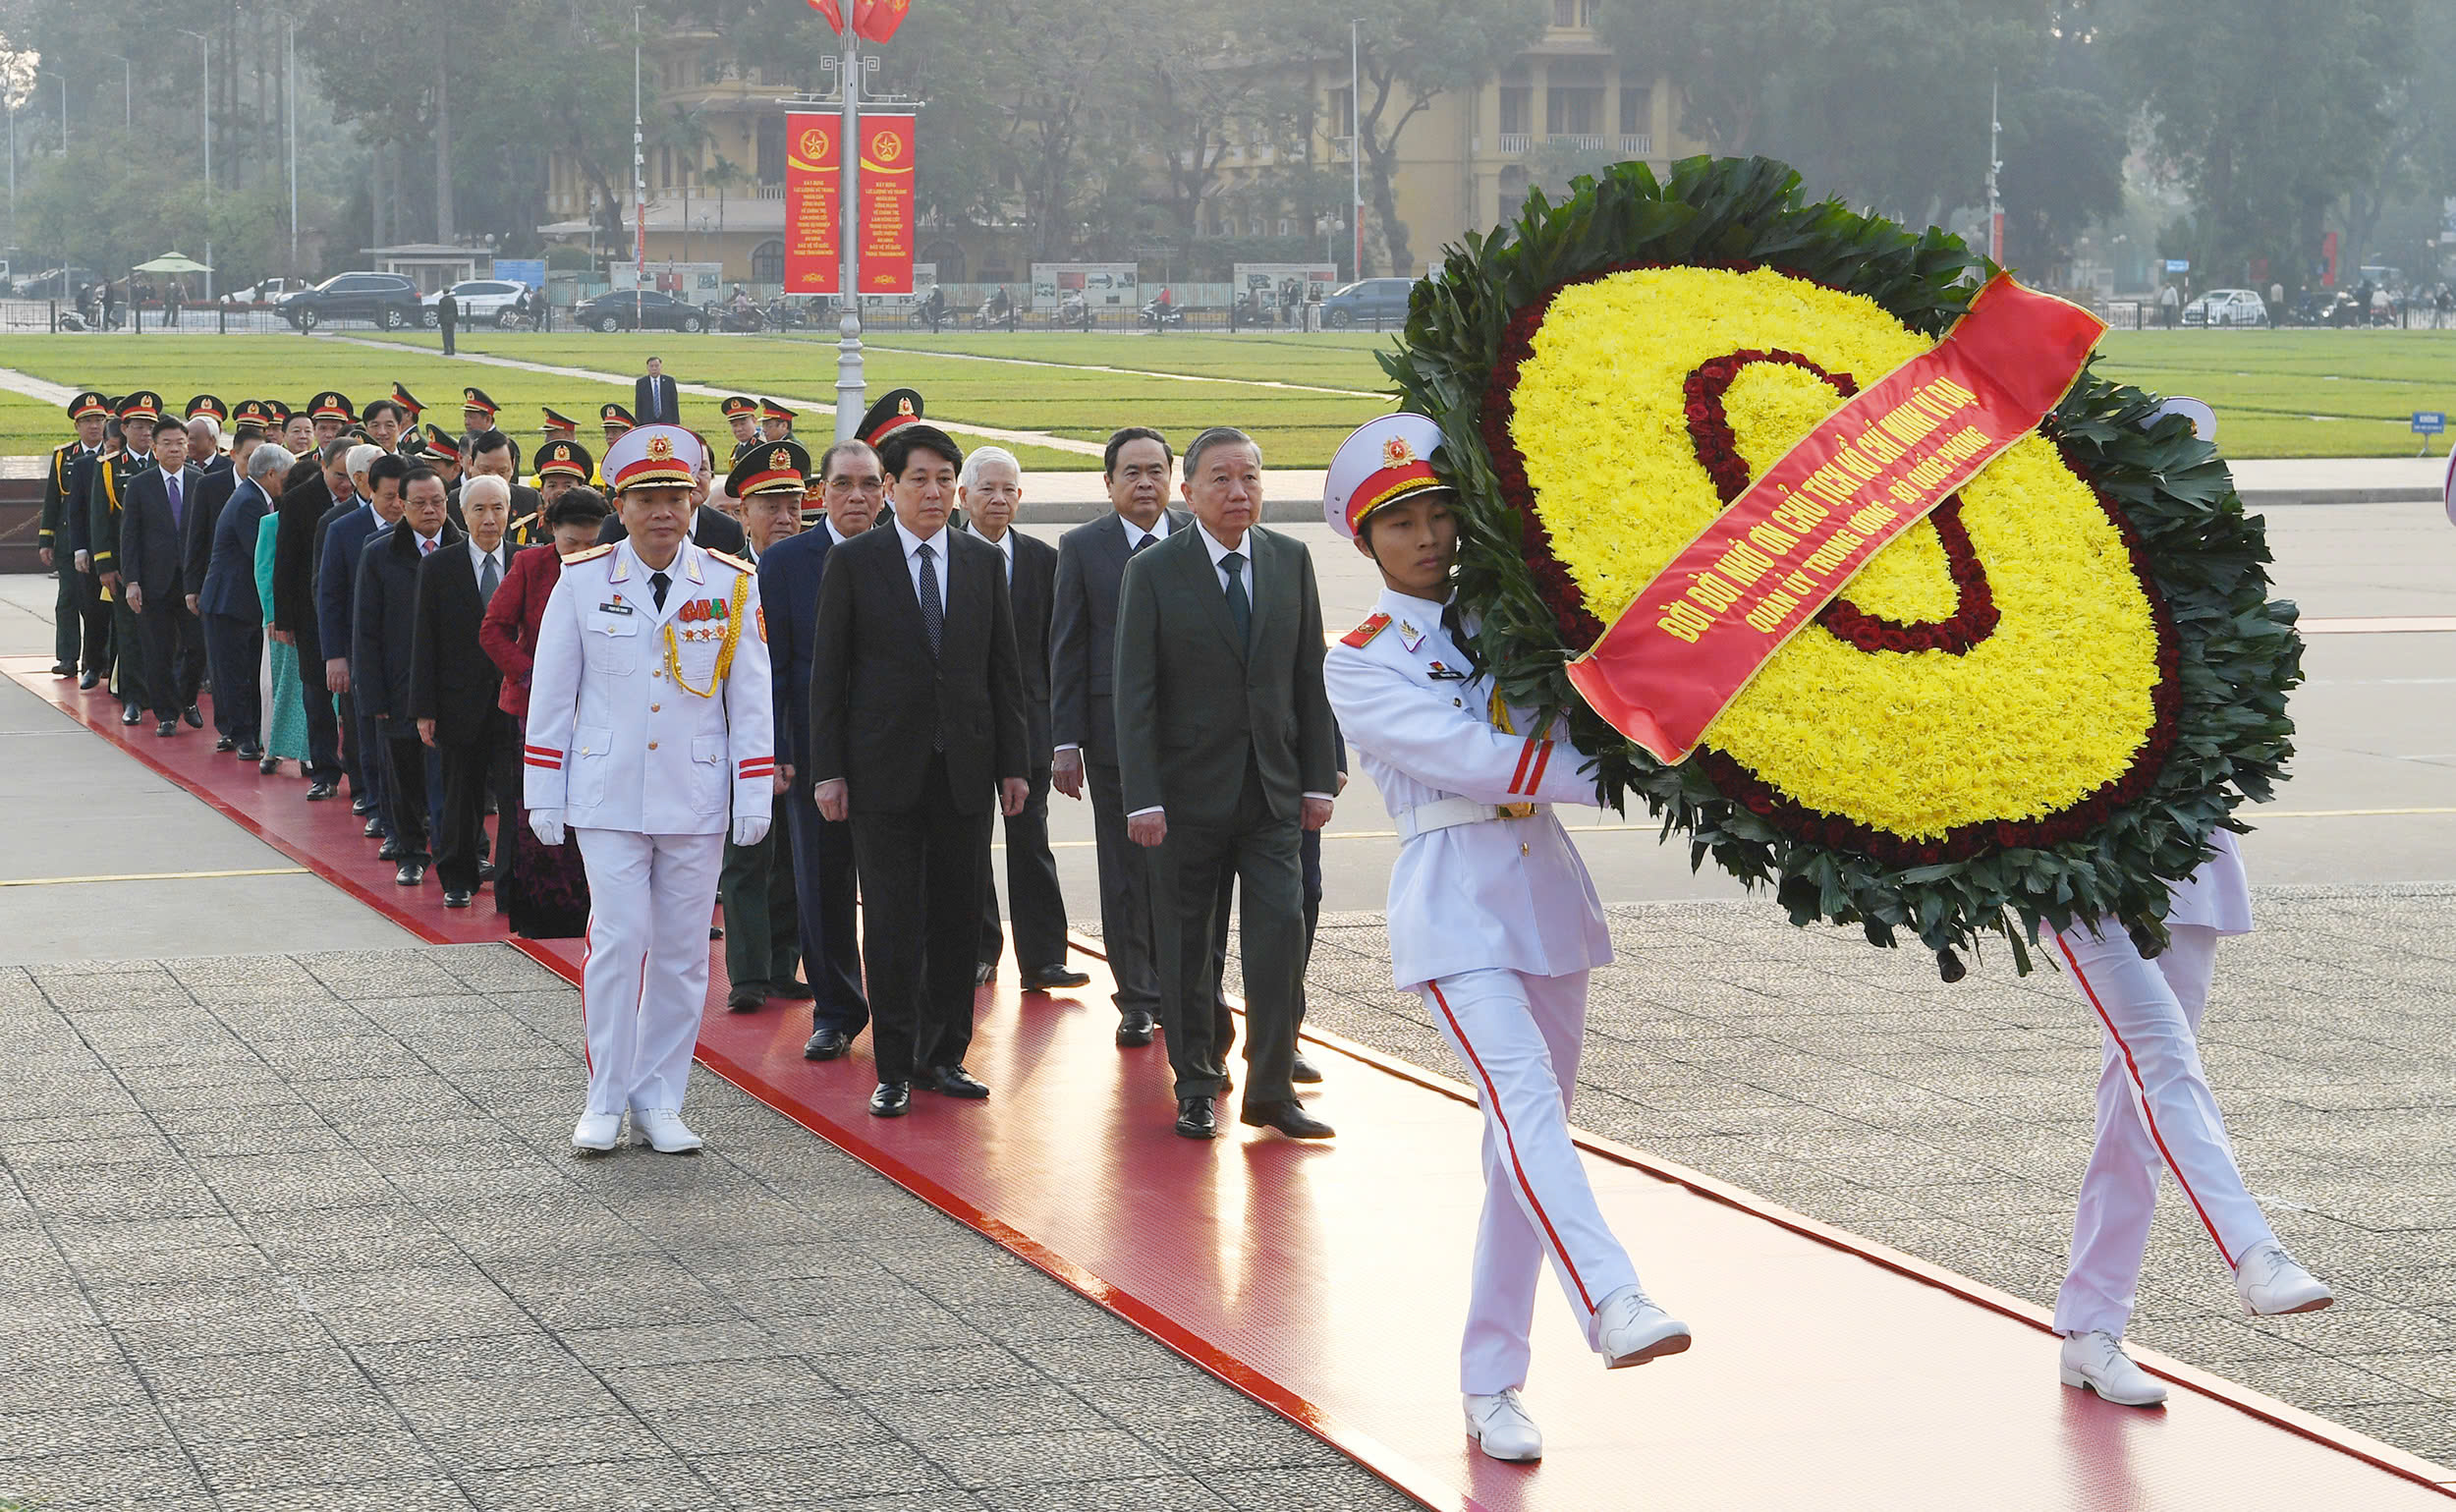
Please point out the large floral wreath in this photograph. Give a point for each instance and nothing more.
(2035, 706)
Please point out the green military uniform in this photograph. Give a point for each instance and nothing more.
(103, 532)
(762, 916)
(78, 623)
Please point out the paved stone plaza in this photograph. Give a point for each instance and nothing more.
(303, 1232)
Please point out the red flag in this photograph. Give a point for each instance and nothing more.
(828, 9)
(879, 19)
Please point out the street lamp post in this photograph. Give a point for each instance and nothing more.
(638, 184)
(204, 108)
(1356, 142)
(851, 384)
(290, 118)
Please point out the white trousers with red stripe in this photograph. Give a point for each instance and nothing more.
(1519, 1036)
(644, 981)
(2155, 1111)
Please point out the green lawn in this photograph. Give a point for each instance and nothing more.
(2280, 393)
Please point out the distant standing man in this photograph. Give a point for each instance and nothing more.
(651, 734)
(1083, 629)
(991, 489)
(1228, 752)
(655, 399)
(447, 318)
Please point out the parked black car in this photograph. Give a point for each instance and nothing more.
(647, 310)
(388, 301)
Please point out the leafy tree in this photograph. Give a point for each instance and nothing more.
(1411, 53)
(2269, 122)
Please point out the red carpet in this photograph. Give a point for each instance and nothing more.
(1327, 1281)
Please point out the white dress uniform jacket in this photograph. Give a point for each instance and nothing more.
(623, 730)
(1497, 893)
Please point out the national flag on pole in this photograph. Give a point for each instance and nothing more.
(830, 8)
(879, 19)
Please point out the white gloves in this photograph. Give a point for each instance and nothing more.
(749, 828)
(548, 825)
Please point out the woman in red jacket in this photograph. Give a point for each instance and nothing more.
(545, 891)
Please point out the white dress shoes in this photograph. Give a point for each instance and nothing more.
(1629, 1330)
(597, 1133)
(2097, 1362)
(664, 1130)
(1499, 1424)
(2270, 1282)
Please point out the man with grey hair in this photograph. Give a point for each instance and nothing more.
(229, 608)
(991, 489)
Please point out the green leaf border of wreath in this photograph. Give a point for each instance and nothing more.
(2239, 653)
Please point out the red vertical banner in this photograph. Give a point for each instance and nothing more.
(814, 188)
(886, 191)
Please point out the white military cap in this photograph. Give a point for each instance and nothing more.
(652, 457)
(1385, 461)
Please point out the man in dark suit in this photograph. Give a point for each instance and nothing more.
(341, 538)
(226, 601)
(1091, 563)
(991, 490)
(153, 577)
(826, 884)
(454, 686)
(303, 506)
(75, 641)
(382, 647)
(655, 400)
(1225, 744)
(916, 733)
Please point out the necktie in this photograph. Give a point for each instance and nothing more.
(658, 583)
(489, 580)
(933, 610)
(1240, 607)
(1455, 627)
(170, 480)
(1147, 538)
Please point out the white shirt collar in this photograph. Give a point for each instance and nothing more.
(835, 538)
(1135, 533)
(1005, 543)
(936, 542)
(478, 554)
(1210, 543)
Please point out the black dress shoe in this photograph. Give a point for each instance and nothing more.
(792, 991)
(90, 679)
(319, 790)
(984, 973)
(249, 750)
(745, 998)
(130, 714)
(60, 671)
(1303, 1071)
(410, 875)
(167, 727)
(485, 871)
(1055, 976)
(269, 765)
(194, 716)
(952, 1082)
(362, 804)
(224, 744)
(1133, 1028)
(374, 827)
(892, 1100)
(1289, 1118)
(390, 850)
(717, 931)
(826, 1044)
(1197, 1119)
(455, 897)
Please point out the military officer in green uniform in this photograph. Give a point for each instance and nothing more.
(80, 628)
(742, 413)
(138, 414)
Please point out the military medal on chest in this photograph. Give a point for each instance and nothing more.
(701, 637)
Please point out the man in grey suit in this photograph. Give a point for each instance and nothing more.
(1083, 627)
(1225, 744)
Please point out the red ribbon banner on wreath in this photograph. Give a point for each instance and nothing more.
(1696, 636)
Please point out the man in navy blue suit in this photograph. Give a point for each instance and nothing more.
(377, 473)
(228, 606)
(825, 883)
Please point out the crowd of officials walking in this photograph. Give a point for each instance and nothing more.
(361, 598)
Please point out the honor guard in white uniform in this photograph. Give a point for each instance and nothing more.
(2155, 1111)
(652, 736)
(1492, 922)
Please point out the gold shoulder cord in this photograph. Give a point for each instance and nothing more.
(724, 652)
(1503, 724)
